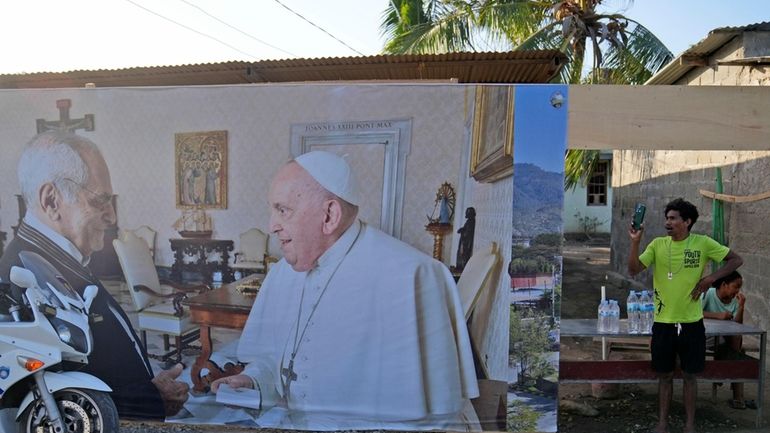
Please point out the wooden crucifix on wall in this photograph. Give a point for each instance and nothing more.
(65, 123)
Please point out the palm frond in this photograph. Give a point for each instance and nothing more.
(625, 52)
(552, 37)
(578, 166)
(449, 34)
(434, 28)
(640, 57)
(512, 20)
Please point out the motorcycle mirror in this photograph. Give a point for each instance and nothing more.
(89, 294)
(23, 278)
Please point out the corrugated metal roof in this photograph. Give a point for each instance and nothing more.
(506, 67)
(715, 40)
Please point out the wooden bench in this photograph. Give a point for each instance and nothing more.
(640, 371)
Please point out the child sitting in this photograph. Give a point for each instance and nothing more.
(725, 301)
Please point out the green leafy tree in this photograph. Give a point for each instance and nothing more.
(539, 257)
(549, 239)
(602, 47)
(619, 49)
(520, 266)
(528, 342)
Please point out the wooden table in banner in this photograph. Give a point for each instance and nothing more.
(225, 307)
(748, 369)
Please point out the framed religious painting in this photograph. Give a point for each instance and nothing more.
(200, 160)
(492, 141)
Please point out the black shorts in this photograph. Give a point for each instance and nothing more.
(668, 343)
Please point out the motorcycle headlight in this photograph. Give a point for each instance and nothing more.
(64, 333)
(70, 334)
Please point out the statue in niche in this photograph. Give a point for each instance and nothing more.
(465, 248)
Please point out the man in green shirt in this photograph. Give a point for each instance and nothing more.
(679, 260)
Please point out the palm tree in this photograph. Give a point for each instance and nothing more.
(621, 50)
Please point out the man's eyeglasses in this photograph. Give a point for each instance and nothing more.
(97, 200)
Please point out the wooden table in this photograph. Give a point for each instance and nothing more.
(224, 307)
(200, 248)
(636, 371)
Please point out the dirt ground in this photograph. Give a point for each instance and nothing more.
(586, 269)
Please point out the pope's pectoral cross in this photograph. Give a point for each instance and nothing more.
(289, 376)
(65, 123)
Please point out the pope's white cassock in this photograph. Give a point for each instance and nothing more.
(378, 336)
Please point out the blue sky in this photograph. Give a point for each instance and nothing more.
(55, 35)
(540, 130)
(682, 23)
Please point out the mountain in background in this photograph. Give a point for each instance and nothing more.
(537, 200)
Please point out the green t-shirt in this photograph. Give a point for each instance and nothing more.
(684, 261)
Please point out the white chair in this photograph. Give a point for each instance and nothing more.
(476, 276)
(477, 287)
(158, 306)
(147, 234)
(252, 252)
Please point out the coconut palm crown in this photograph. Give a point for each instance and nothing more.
(619, 50)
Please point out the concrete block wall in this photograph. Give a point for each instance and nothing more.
(716, 74)
(750, 229)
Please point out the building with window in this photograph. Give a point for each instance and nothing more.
(588, 208)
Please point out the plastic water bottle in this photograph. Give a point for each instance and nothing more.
(650, 312)
(643, 301)
(646, 313)
(633, 309)
(605, 317)
(601, 312)
(614, 317)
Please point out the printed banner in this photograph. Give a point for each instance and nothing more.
(360, 286)
(536, 258)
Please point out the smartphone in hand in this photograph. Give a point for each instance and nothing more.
(639, 211)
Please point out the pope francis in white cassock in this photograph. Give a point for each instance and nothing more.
(358, 330)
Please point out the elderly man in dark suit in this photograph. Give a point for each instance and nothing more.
(66, 186)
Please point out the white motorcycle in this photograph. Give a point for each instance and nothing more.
(46, 332)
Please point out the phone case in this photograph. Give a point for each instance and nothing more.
(639, 211)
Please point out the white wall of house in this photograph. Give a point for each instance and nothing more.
(577, 211)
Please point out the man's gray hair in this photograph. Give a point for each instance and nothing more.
(51, 157)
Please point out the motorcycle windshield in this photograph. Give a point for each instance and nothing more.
(54, 287)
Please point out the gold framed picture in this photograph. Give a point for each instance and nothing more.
(200, 160)
(492, 141)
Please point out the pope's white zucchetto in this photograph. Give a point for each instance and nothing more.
(332, 172)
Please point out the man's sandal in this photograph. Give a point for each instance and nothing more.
(736, 404)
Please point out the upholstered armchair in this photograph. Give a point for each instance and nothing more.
(158, 306)
(145, 233)
(252, 252)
